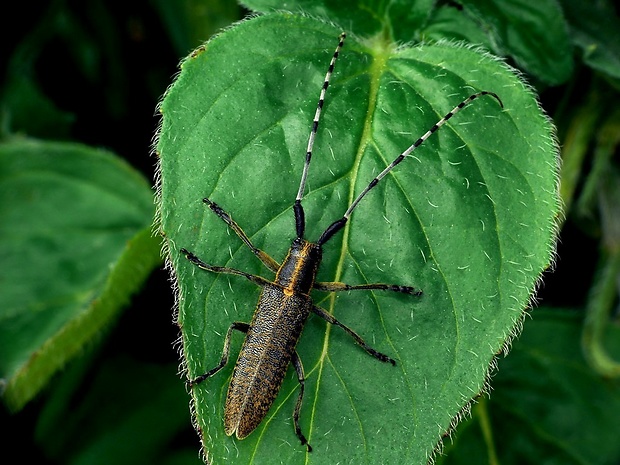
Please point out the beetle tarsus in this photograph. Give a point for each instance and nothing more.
(305, 443)
(408, 290)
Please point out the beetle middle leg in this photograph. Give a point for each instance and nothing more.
(258, 280)
(334, 286)
(238, 326)
(332, 320)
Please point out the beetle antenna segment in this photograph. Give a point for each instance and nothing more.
(339, 224)
(300, 222)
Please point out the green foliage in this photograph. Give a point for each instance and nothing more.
(74, 249)
(534, 34)
(547, 405)
(469, 218)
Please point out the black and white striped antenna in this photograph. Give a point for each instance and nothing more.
(339, 224)
(300, 221)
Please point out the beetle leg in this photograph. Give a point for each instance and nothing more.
(259, 281)
(237, 325)
(299, 368)
(262, 256)
(330, 319)
(333, 286)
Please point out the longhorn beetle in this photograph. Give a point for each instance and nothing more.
(284, 304)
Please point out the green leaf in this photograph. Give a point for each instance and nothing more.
(595, 29)
(188, 22)
(398, 19)
(135, 425)
(451, 23)
(469, 219)
(547, 407)
(26, 109)
(75, 244)
(534, 34)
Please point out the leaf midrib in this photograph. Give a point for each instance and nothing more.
(380, 51)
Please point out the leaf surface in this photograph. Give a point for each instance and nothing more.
(469, 219)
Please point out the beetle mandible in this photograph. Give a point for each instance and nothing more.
(285, 304)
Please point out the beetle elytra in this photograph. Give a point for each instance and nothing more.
(285, 304)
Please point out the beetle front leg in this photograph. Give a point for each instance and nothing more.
(262, 256)
(330, 319)
(237, 325)
(299, 368)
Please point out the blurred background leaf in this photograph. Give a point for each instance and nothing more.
(75, 244)
(547, 405)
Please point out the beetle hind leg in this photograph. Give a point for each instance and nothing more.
(238, 326)
(330, 319)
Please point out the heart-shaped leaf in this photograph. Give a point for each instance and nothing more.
(469, 219)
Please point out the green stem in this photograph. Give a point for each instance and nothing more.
(575, 146)
(607, 140)
(603, 185)
(602, 298)
(482, 412)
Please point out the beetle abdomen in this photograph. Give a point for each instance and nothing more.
(264, 358)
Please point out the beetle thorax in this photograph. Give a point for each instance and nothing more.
(300, 266)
